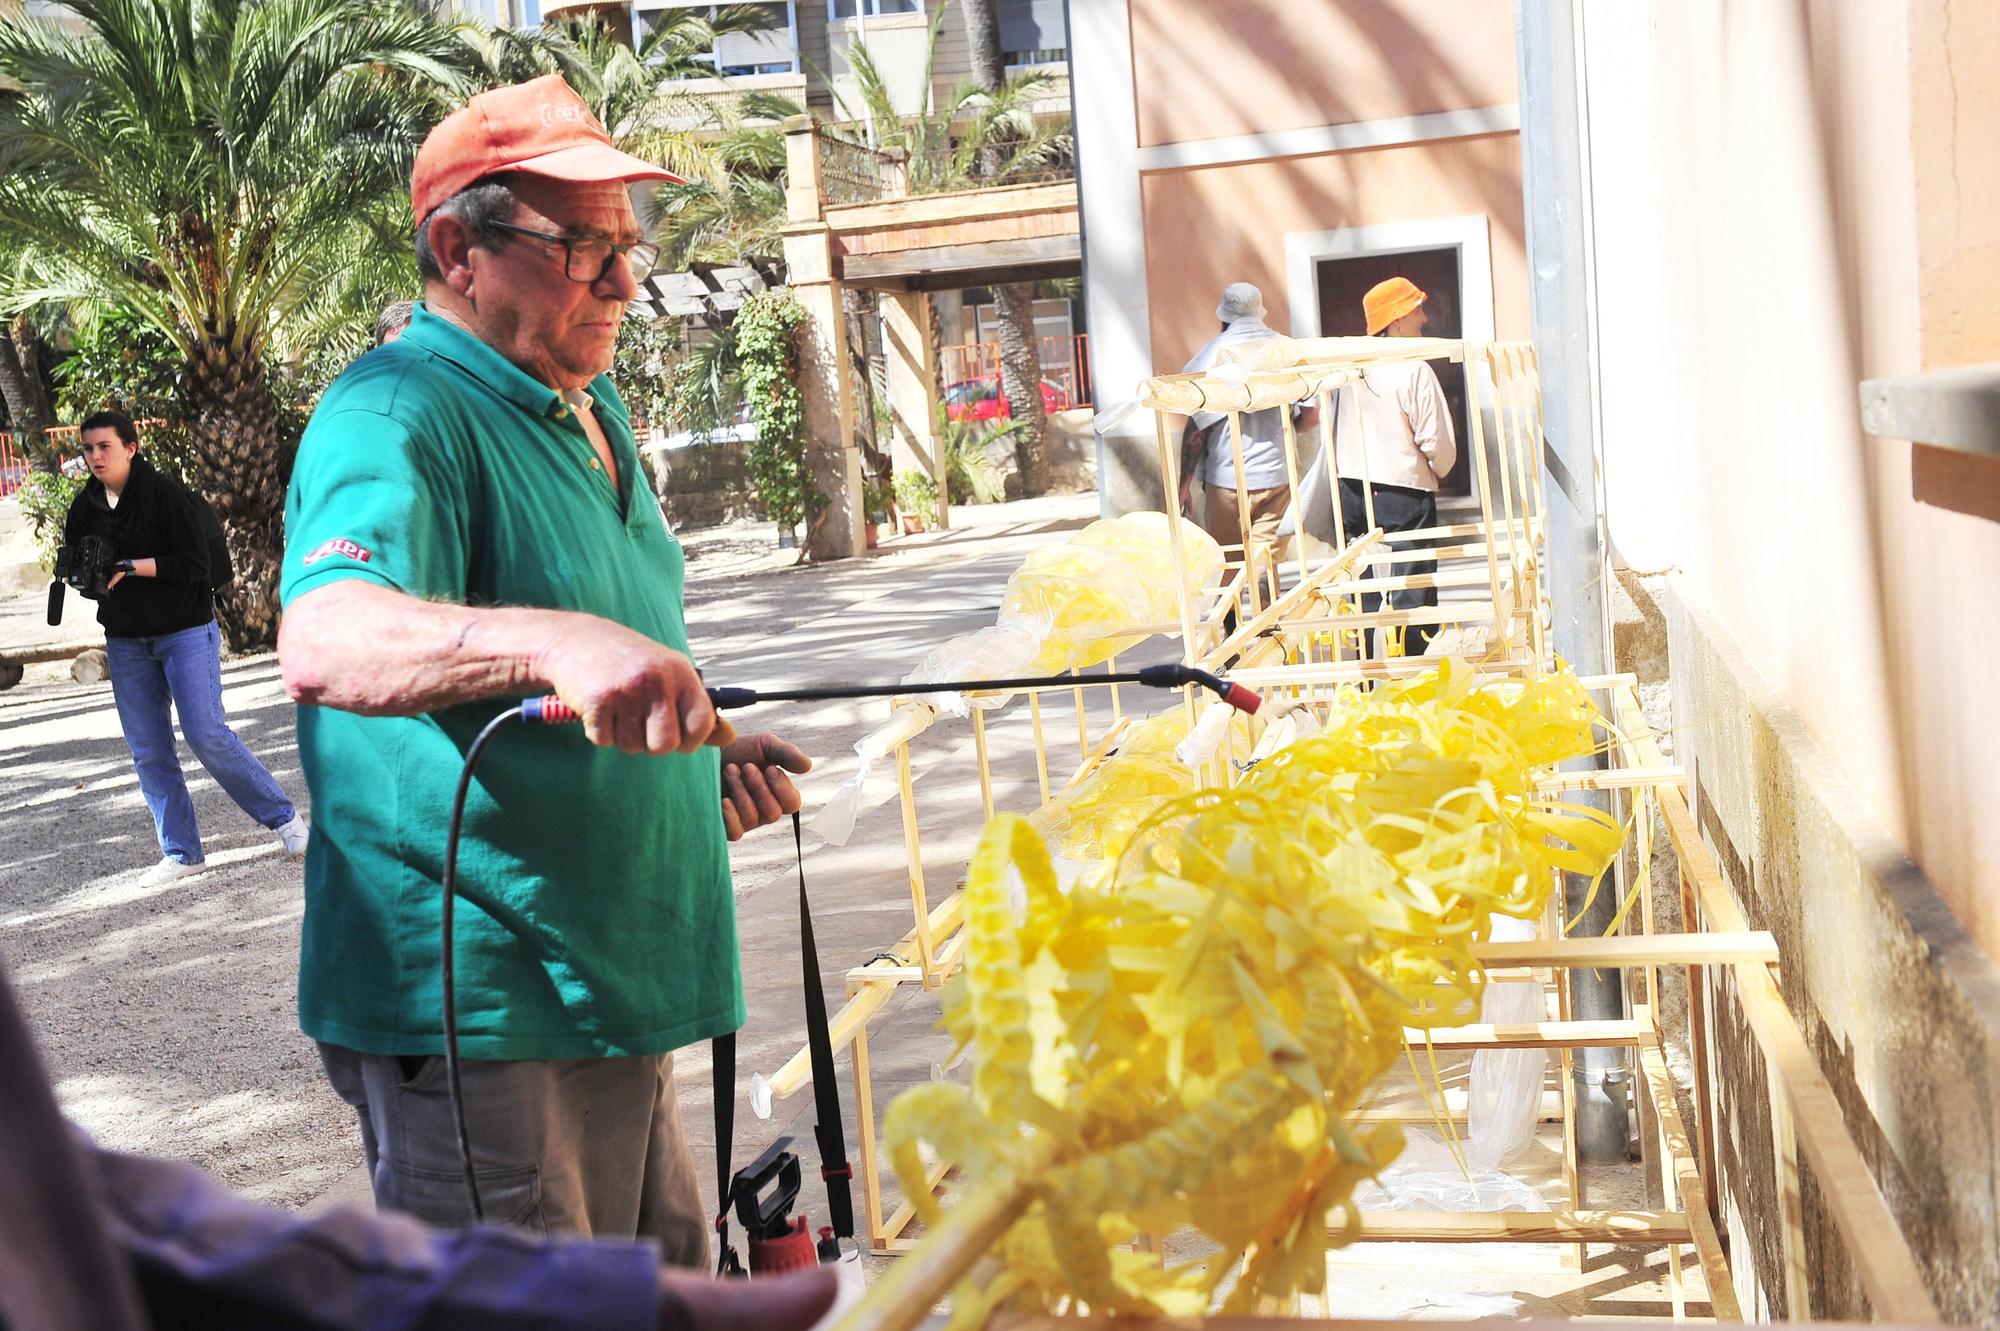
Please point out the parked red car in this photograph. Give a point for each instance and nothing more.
(982, 400)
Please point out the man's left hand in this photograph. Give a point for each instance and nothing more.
(755, 788)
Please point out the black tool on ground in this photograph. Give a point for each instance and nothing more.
(834, 1166)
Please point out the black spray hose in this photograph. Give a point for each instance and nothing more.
(551, 710)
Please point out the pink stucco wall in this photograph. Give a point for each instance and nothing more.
(1211, 226)
(1208, 69)
(1822, 211)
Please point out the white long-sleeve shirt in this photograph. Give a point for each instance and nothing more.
(1403, 415)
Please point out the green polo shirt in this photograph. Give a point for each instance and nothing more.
(596, 917)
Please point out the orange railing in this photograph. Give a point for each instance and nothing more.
(1065, 363)
(63, 440)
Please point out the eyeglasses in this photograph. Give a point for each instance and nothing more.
(589, 259)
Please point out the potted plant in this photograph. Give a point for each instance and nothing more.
(916, 499)
(878, 500)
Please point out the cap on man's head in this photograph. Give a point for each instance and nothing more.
(1389, 301)
(1240, 300)
(540, 127)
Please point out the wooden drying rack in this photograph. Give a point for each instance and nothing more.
(1295, 645)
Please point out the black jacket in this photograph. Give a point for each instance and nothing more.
(160, 519)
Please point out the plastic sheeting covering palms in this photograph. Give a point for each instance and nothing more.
(1183, 1043)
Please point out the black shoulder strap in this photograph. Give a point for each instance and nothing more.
(829, 1131)
(723, 1077)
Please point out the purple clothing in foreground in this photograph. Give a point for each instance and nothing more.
(91, 1239)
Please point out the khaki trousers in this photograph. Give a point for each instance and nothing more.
(1220, 519)
(589, 1146)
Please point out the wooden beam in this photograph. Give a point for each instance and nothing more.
(1645, 1229)
(959, 205)
(1457, 612)
(1693, 1200)
(1272, 614)
(1535, 1035)
(978, 256)
(1882, 1259)
(1625, 950)
(1613, 778)
(851, 1018)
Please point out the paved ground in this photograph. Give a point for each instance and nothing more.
(166, 1015)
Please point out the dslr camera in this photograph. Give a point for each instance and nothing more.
(88, 566)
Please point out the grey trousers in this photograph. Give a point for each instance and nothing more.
(589, 1146)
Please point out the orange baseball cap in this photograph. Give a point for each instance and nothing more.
(541, 127)
(1389, 301)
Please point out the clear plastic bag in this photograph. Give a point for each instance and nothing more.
(1082, 597)
(1504, 1098)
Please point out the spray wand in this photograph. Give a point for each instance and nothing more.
(551, 710)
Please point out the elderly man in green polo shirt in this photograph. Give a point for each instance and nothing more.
(467, 525)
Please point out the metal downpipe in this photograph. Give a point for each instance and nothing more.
(1556, 205)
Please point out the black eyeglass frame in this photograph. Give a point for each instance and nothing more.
(614, 253)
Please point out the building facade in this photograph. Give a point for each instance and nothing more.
(1311, 149)
(804, 50)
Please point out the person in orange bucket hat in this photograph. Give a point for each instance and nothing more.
(1389, 301)
(1393, 433)
(467, 526)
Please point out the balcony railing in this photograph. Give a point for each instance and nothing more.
(1065, 363)
(852, 170)
(64, 441)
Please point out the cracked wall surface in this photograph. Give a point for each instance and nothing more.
(1900, 1007)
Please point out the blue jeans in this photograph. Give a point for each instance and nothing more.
(184, 670)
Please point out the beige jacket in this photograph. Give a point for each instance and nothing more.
(1403, 415)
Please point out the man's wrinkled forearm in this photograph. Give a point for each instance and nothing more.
(361, 647)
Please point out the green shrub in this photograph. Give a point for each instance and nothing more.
(45, 499)
(916, 493)
(972, 472)
(767, 358)
(877, 498)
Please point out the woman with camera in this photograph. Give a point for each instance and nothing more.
(156, 603)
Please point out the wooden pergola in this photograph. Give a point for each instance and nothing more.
(853, 223)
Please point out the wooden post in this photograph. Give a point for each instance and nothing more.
(1041, 748)
(1791, 1202)
(832, 457)
(1082, 726)
(1475, 425)
(1170, 479)
(910, 371)
(913, 850)
(985, 770)
(1292, 488)
(864, 1120)
(1697, 985)
(1243, 510)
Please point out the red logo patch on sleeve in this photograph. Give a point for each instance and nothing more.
(340, 545)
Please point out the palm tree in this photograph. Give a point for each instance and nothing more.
(985, 134)
(1020, 349)
(737, 214)
(26, 393)
(196, 161)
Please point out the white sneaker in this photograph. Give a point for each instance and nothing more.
(293, 835)
(168, 869)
